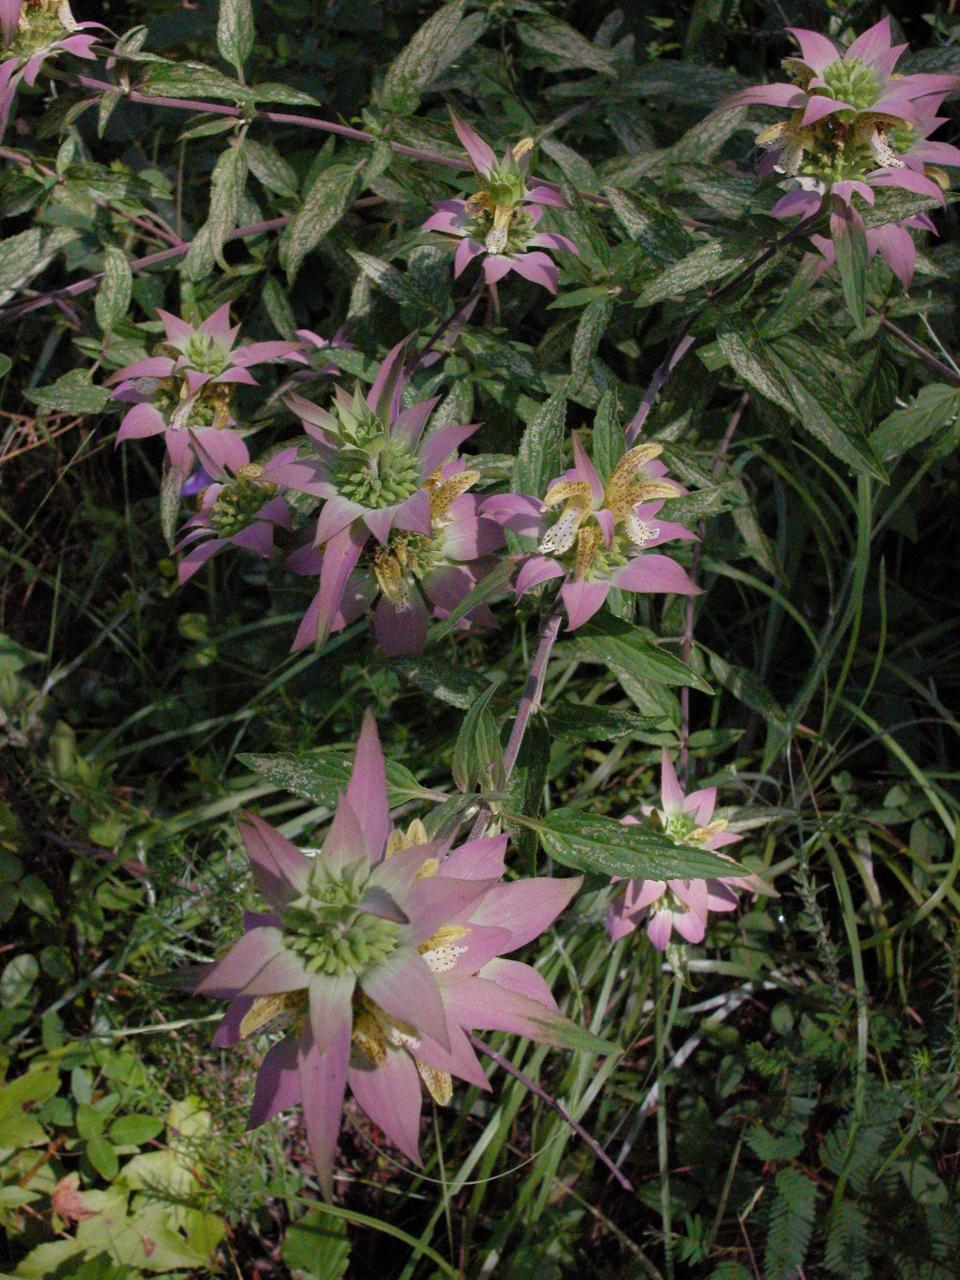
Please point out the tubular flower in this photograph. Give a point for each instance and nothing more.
(31, 32)
(596, 536)
(184, 391)
(378, 955)
(240, 506)
(415, 577)
(853, 121)
(500, 219)
(374, 469)
(679, 904)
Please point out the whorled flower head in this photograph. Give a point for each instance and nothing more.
(683, 905)
(596, 536)
(853, 121)
(377, 957)
(241, 505)
(186, 388)
(373, 469)
(32, 31)
(500, 219)
(412, 577)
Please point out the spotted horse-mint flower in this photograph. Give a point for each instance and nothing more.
(596, 536)
(683, 905)
(500, 220)
(185, 390)
(853, 121)
(373, 470)
(412, 577)
(377, 956)
(32, 31)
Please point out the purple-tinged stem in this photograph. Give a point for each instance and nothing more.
(532, 692)
(539, 1091)
(694, 566)
(459, 313)
(926, 355)
(17, 309)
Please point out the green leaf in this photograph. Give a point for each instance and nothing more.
(708, 262)
(17, 979)
(747, 355)
(454, 685)
(607, 443)
(6, 364)
(539, 457)
(89, 1121)
(586, 340)
(438, 43)
(477, 755)
(822, 407)
(325, 203)
(192, 80)
(282, 93)
(579, 722)
(792, 1218)
(73, 393)
(486, 589)
(115, 289)
(850, 243)
(561, 1033)
(567, 45)
(226, 190)
(134, 1130)
(623, 647)
(269, 167)
(235, 31)
(320, 776)
(395, 284)
(171, 488)
(102, 1156)
(23, 255)
(748, 689)
(602, 846)
(936, 406)
(652, 225)
(317, 1246)
(526, 786)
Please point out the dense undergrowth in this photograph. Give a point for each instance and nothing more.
(781, 1099)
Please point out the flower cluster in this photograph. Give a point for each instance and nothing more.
(185, 390)
(595, 535)
(683, 905)
(377, 957)
(32, 31)
(500, 219)
(397, 521)
(855, 127)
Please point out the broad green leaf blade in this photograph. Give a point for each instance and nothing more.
(321, 775)
(935, 407)
(850, 243)
(539, 458)
(477, 754)
(439, 42)
(561, 1033)
(451, 684)
(621, 646)
(578, 722)
(325, 203)
(235, 31)
(115, 289)
(604, 847)
(73, 393)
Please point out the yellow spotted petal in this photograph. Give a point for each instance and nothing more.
(370, 1037)
(588, 540)
(443, 493)
(268, 1012)
(439, 1083)
(389, 574)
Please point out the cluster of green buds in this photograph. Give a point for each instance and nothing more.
(40, 24)
(837, 150)
(238, 502)
(371, 467)
(329, 929)
(682, 826)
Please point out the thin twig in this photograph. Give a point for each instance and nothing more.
(539, 1091)
(926, 355)
(532, 692)
(683, 341)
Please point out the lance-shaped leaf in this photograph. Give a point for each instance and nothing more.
(324, 204)
(605, 847)
(320, 776)
(235, 32)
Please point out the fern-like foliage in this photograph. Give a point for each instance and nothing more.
(790, 1225)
